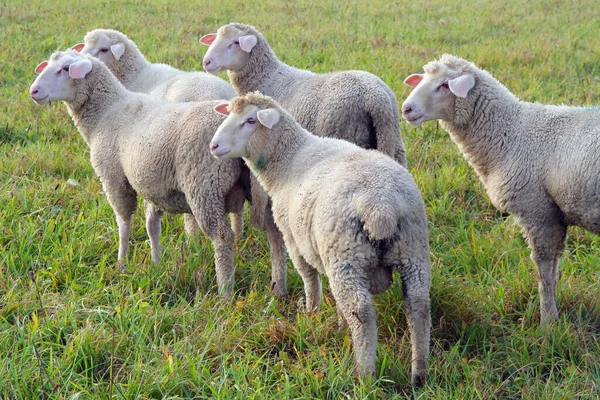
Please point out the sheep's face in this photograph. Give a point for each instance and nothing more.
(232, 136)
(229, 49)
(435, 94)
(101, 46)
(56, 78)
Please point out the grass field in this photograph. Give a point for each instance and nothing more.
(73, 326)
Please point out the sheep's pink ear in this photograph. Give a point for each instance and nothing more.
(247, 42)
(268, 117)
(460, 86)
(222, 108)
(41, 66)
(78, 47)
(117, 50)
(414, 80)
(208, 39)
(79, 69)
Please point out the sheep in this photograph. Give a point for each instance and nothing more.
(141, 145)
(137, 74)
(537, 162)
(353, 105)
(352, 214)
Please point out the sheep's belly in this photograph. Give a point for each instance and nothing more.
(173, 202)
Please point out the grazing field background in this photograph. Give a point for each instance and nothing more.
(73, 326)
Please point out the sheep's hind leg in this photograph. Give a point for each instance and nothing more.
(547, 245)
(352, 296)
(153, 218)
(415, 291)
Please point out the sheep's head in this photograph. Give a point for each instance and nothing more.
(229, 48)
(56, 80)
(245, 115)
(105, 44)
(436, 91)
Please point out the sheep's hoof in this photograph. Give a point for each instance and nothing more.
(419, 378)
(278, 291)
(122, 266)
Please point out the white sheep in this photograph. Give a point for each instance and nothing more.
(353, 214)
(538, 162)
(141, 145)
(137, 74)
(353, 105)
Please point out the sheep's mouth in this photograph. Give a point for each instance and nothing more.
(42, 100)
(413, 119)
(220, 152)
(213, 70)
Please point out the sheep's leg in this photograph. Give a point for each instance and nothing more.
(351, 293)
(153, 218)
(311, 279)
(415, 291)
(123, 201)
(213, 222)
(124, 232)
(237, 224)
(279, 257)
(190, 226)
(547, 244)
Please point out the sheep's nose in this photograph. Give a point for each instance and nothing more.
(213, 146)
(207, 62)
(407, 109)
(33, 91)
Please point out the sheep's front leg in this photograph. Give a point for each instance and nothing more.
(190, 226)
(311, 279)
(415, 291)
(351, 293)
(153, 218)
(124, 232)
(278, 257)
(547, 244)
(123, 201)
(213, 222)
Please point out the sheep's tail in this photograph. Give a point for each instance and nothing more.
(380, 217)
(383, 110)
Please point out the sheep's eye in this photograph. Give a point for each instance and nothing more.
(66, 68)
(251, 121)
(236, 42)
(443, 86)
(104, 50)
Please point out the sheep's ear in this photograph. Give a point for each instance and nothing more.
(78, 47)
(79, 69)
(414, 80)
(41, 66)
(460, 86)
(208, 39)
(247, 42)
(117, 50)
(222, 108)
(268, 117)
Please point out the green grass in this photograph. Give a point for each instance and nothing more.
(73, 326)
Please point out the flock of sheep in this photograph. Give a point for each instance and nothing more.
(177, 139)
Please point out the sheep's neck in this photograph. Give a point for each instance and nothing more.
(486, 138)
(132, 68)
(270, 165)
(95, 94)
(257, 73)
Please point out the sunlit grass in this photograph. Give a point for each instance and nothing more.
(73, 325)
